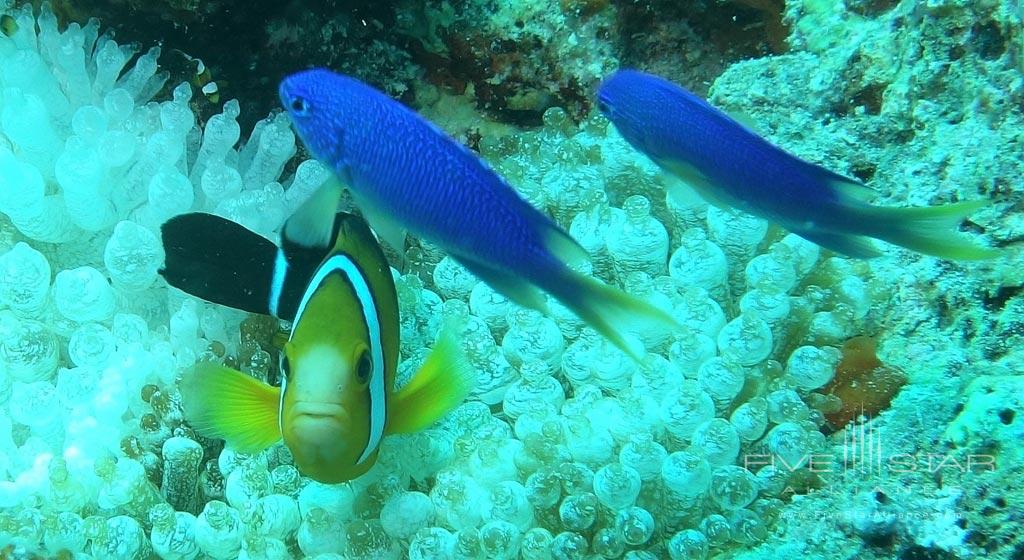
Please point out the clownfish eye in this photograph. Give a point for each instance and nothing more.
(299, 106)
(364, 367)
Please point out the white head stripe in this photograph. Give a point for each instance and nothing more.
(284, 386)
(344, 265)
(277, 281)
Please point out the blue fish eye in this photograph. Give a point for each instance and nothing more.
(299, 106)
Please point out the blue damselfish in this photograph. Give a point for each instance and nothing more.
(729, 165)
(404, 172)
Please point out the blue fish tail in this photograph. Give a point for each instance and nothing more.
(928, 230)
(606, 309)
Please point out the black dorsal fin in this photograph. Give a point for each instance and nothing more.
(302, 263)
(218, 260)
(225, 263)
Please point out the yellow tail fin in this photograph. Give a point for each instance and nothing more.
(930, 230)
(440, 385)
(220, 402)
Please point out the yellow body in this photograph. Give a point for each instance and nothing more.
(349, 314)
(326, 407)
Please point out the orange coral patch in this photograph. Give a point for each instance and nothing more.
(862, 382)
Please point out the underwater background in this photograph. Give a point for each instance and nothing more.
(814, 406)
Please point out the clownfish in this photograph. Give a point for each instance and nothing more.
(337, 398)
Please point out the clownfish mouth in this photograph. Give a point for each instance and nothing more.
(312, 425)
(318, 410)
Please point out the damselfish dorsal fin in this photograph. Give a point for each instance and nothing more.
(311, 224)
(218, 260)
(744, 119)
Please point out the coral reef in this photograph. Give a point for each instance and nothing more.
(512, 63)
(191, 33)
(712, 447)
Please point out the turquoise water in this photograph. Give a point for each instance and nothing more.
(810, 405)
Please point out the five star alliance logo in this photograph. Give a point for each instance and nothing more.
(864, 454)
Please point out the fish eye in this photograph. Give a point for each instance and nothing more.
(299, 106)
(364, 367)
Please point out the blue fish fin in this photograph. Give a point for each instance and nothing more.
(312, 224)
(693, 182)
(930, 230)
(383, 225)
(745, 119)
(608, 310)
(563, 246)
(856, 246)
(684, 195)
(218, 260)
(849, 190)
(507, 284)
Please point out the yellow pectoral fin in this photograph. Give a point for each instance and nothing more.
(439, 386)
(220, 402)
